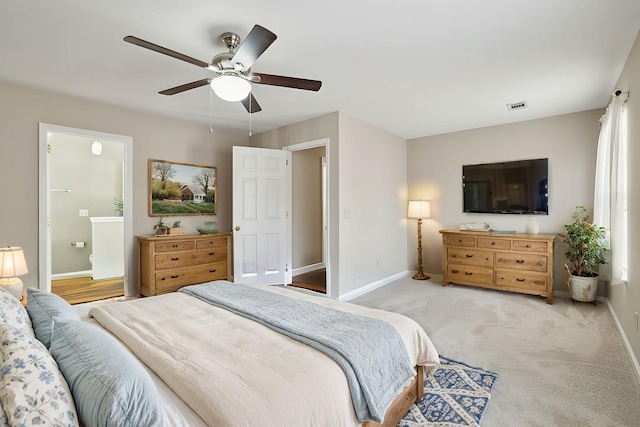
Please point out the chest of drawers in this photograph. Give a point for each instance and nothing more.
(168, 263)
(510, 262)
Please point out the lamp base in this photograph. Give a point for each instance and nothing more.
(420, 276)
(13, 285)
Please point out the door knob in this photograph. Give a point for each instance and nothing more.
(237, 228)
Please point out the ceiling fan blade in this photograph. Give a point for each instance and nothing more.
(185, 87)
(252, 107)
(157, 48)
(256, 42)
(292, 82)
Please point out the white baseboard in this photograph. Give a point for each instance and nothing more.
(307, 268)
(370, 287)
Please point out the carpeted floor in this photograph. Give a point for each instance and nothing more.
(559, 365)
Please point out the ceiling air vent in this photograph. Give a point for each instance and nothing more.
(517, 105)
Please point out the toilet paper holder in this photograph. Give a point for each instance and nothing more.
(78, 244)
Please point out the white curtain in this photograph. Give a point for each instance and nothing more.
(610, 197)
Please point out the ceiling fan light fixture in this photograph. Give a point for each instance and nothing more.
(231, 88)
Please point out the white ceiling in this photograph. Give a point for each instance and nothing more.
(411, 67)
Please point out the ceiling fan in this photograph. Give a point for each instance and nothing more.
(234, 79)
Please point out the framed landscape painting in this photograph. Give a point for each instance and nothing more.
(181, 189)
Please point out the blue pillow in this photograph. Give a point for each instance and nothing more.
(43, 307)
(109, 386)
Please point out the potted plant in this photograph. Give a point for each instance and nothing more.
(584, 255)
(176, 229)
(118, 204)
(160, 227)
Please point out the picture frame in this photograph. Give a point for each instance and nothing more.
(181, 189)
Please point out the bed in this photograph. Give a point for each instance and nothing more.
(179, 360)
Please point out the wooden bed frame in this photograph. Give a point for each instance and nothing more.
(410, 395)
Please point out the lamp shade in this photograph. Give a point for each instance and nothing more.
(419, 209)
(231, 88)
(12, 262)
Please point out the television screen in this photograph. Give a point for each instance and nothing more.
(516, 187)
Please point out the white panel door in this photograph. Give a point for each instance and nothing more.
(260, 216)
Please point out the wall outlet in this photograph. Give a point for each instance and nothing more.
(84, 212)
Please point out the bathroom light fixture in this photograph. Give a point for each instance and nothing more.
(12, 265)
(419, 209)
(231, 87)
(96, 148)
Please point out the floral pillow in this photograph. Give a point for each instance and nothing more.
(32, 389)
(13, 313)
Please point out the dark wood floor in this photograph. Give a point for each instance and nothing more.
(314, 280)
(84, 289)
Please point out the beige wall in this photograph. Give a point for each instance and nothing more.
(306, 215)
(367, 207)
(157, 137)
(625, 299)
(373, 204)
(435, 173)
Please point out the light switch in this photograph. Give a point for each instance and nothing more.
(84, 212)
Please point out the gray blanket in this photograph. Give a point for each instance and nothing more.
(370, 351)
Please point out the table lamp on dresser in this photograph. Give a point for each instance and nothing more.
(12, 265)
(419, 209)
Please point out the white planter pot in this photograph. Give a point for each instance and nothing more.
(583, 288)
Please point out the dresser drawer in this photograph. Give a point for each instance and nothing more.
(470, 257)
(529, 246)
(171, 281)
(186, 259)
(219, 242)
(489, 243)
(184, 245)
(468, 275)
(521, 280)
(465, 241)
(516, 261)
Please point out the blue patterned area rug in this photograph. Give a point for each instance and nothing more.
(455, 394)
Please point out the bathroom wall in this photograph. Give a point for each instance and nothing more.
(93, 182)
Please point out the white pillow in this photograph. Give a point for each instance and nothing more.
(32, 389)
(13, 313)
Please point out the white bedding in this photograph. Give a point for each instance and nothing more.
(233, 371)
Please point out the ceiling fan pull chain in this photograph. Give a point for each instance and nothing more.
(250, 134)
(210, 110)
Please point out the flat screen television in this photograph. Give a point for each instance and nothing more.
(515, 187)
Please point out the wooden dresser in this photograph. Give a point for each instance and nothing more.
(509, 262)
(168, 263)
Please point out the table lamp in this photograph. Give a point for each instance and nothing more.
(419, 209)
(12, 265)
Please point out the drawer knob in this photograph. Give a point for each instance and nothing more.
(520, 280)
(493, 243)
(455, 271)
(175, 246)
(175, 259)
(467, 273)
(469, 256)
(162, 278)
(213, 271)
(528, 246)
(175, 277)
(212, 253)
(520, 261)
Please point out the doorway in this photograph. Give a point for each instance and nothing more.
(309, 199)
(85, 179)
